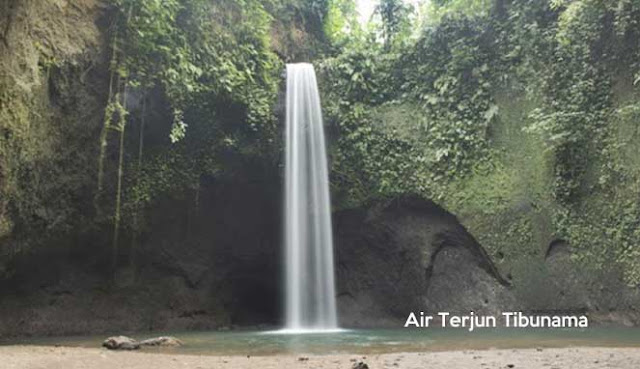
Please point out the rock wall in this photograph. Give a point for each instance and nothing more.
(52, 96)
(217, 263)
(209, 260)
(408, 254)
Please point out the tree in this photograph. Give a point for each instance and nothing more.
(395, 20)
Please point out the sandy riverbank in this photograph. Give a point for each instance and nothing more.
(42, 357)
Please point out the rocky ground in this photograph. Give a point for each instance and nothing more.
(40, 357)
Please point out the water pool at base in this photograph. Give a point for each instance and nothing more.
(257, 343)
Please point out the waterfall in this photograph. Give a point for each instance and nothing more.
(310, 286)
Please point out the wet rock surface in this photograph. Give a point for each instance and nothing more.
(121, 343)
(408, 255)
(391, 258)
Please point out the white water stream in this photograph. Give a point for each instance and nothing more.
(310, 285)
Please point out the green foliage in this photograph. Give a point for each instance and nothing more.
(521, 117)
(440, 9)
(193, 47)
(211, 65)
(446, 75)
(449, 71)
(395, 20)
(178, 127)
(361, 74)
(590, 45)
(556, 169)
(576, 96)
(341, 21)
(367, 162)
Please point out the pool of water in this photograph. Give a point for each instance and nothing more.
(370, 341)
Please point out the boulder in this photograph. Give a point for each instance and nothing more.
(360, 365)
(121, 343)
(167, 341)
(408, 255)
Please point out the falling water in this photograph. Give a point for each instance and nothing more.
(310, 290)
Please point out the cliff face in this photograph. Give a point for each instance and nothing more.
(411, 255)
(210, 255)
(52, 86)
(210, 260)
(217, 262)
(553, 258)
(214, 260)
(557, 259)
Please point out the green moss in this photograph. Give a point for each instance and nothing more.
(525, 129)
(45, 122)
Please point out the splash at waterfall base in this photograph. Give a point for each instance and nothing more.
(507, 319)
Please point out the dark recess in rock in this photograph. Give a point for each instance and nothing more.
(557, 246)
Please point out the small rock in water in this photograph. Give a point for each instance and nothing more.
(360, 365)
(510, 365)
(303, 359)
(162, 341)
(121, 343)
